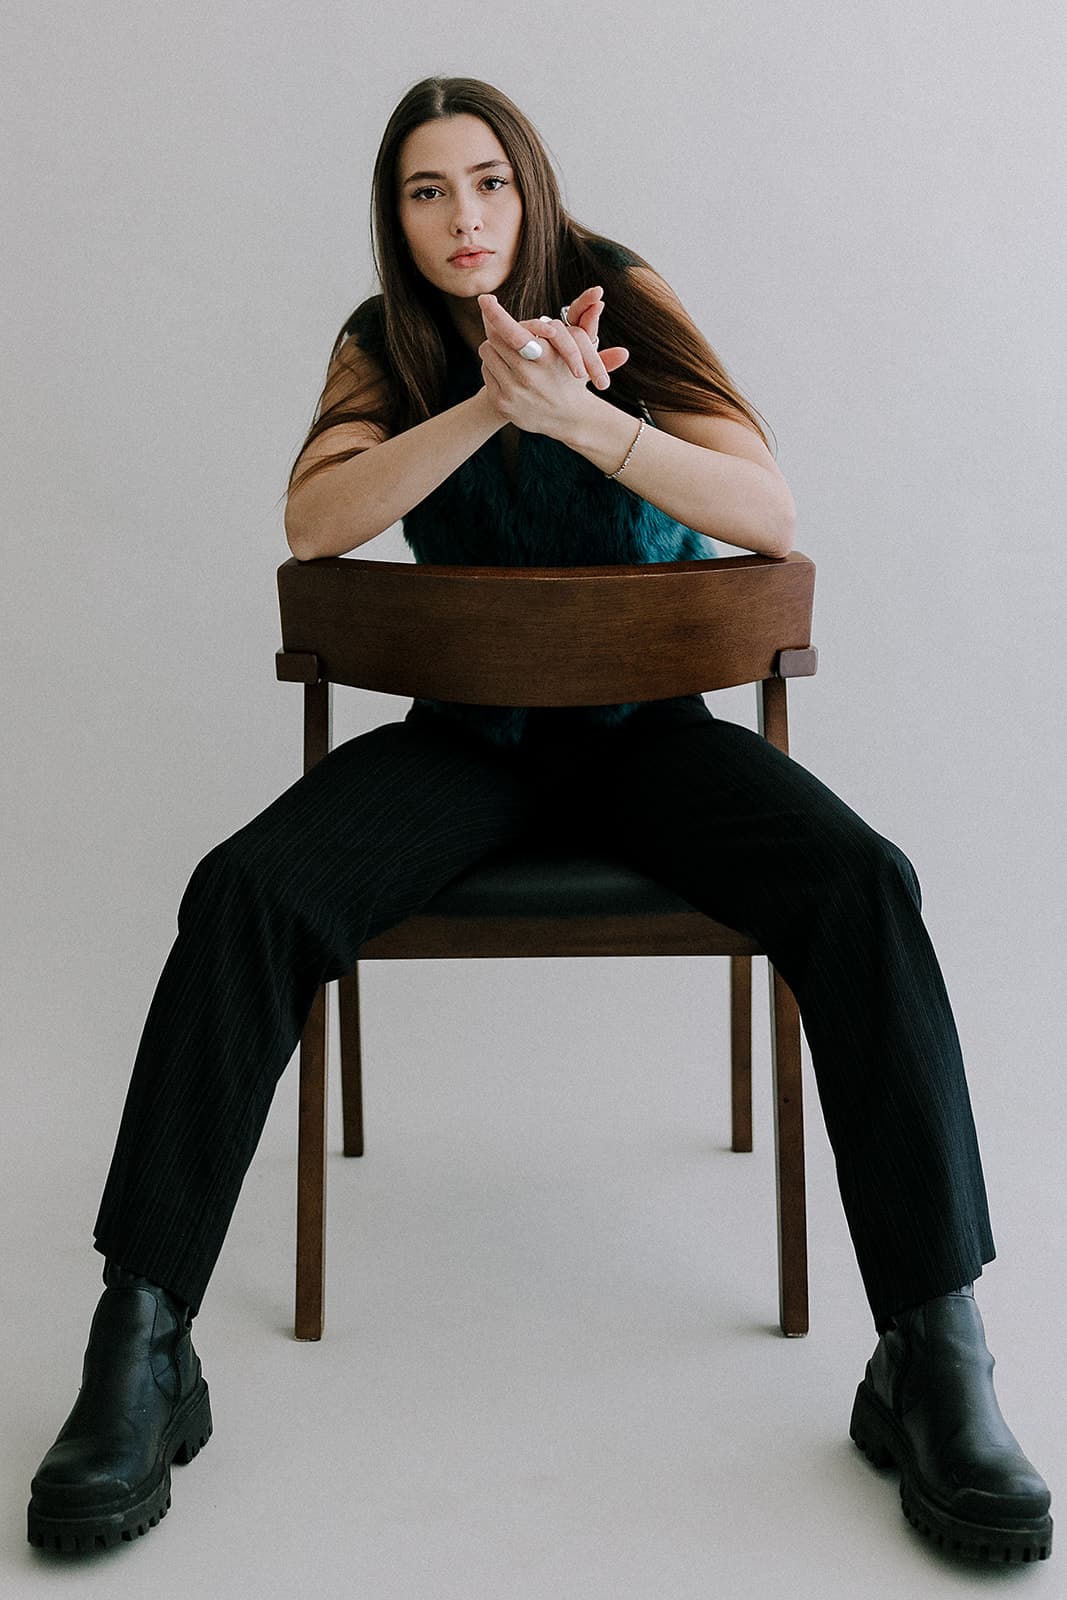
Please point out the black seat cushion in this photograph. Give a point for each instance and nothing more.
(553, 881)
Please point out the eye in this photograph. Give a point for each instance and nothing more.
(427, 189)
(495, 178)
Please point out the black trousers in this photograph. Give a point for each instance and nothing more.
(710, 808)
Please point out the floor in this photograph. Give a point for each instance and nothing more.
(551, 1365)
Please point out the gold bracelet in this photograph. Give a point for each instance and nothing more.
(629, 452)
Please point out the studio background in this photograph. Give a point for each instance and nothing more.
(863, 206)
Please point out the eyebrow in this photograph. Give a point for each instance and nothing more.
(481, 167)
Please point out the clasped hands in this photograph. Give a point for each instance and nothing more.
(543, 396)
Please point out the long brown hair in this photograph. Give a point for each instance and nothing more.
(671, 367)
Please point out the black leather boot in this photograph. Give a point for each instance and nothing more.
(143, 1403)
(927, 1404)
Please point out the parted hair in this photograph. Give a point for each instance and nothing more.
(671, 367)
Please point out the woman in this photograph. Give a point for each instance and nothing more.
(500, 433)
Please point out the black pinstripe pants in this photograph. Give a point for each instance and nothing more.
(708, 807)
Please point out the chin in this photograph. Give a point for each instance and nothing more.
(491, 277)
(477, 283)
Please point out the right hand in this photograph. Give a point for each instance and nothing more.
(575, 339)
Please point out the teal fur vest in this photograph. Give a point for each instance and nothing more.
(561, 512)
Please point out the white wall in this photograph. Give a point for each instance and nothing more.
(862, 204)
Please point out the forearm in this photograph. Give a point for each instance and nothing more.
(350, 503)
(721, 495)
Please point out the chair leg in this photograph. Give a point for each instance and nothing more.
(311, 1174)
(351, 1063)
(741, 1052)
(789, 1147)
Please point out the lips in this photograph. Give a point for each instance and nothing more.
(469, 258)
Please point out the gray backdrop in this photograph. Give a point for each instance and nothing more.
(864, 208)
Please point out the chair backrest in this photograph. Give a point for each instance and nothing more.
(546, 636)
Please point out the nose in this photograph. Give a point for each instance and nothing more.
(466, 218)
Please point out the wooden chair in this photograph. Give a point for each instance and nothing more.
(550, 636)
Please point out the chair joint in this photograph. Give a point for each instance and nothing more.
(296, 666)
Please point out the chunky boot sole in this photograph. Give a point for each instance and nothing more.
(134, 1514)
(883, 1441)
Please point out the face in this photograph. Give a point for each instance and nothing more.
(459, 205)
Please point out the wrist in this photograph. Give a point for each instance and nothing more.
(601, 432)
(485, 413)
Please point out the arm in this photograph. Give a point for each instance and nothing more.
(353, 501)
(714, 474)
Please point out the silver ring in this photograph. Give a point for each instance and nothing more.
(563, 317)
(532, 351)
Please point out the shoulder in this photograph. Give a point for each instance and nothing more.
(366, 327)
(654, 286)
(612, 254)
(641, 283)
(358, 388)
(360, 353)
(620, 258)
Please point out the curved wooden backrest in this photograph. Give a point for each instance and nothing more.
(545, 636)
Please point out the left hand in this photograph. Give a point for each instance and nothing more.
(543, 396)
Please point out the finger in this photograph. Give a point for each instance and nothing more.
(594, 361)
(517, 365)
(615, 358)
(498, 377)
(500, 324)
(502, 361)
(550, 330)
(593, 369)
(492, 383)
(590, 320)
(575, 347)
(582, 303)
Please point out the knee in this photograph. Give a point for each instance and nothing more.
(897, 862)
(215, 877)
(272, 899)
(885, 867)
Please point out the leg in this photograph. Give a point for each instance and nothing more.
(748, 835)
(309, 1308)
(790, 1178)
(351, 1063)
(357, 844)
(741, 1052)
(363, 839)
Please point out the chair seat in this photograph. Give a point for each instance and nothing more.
(551, 899)
(553, 881)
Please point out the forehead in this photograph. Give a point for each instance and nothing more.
(449, 145)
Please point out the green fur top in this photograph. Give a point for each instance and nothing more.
(561, 512)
